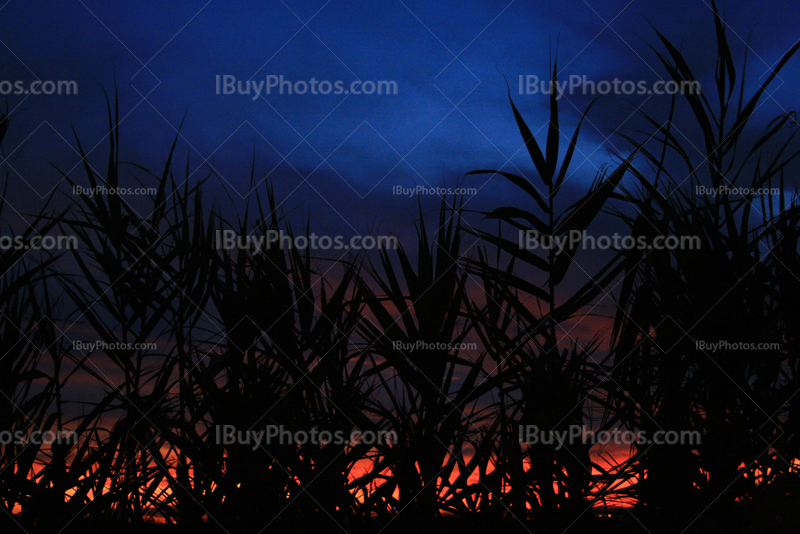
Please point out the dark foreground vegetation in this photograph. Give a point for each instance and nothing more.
(282, 337)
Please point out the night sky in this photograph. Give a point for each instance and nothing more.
(337, 160)
(337, 157)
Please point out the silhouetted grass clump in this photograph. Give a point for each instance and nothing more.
(259, 338)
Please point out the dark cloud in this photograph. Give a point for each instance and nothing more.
(351, 146)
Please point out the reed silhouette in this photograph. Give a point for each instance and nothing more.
(282, 337)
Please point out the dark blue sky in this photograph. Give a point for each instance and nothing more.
(338, 157)
(450, 115)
